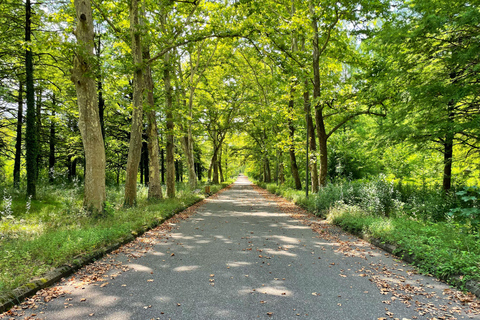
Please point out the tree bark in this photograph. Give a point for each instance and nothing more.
(38, 127)
(154, 186)
(293, 158)
(188, 150)
(268, 175)
(89, 120)
(448, 152)
(162, 160)
(18, 142)
(146, 164)
(170, 126)
(220, 169)
(215, 168)
(319, 120)
(31, 137)
(135, 146)
(101, 101)
(281, 175)
(51, 155)
(312, 163)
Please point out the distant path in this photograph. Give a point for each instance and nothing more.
(240, 256)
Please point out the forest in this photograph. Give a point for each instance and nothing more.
(114, 114)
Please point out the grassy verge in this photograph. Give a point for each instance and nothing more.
(37, 236)
(445, 249)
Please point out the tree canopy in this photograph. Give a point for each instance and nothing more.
(162, 91)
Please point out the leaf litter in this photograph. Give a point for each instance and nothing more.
(102, 270)
(389, 281)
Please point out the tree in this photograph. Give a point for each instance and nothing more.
(426, 56)
(31, 130)
(135, 147)
(89, 120)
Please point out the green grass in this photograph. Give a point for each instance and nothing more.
(53, 230)
(442, 247)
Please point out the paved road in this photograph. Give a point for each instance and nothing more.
(242, 256)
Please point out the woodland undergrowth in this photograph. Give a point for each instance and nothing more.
(420, 221)
(39, 235)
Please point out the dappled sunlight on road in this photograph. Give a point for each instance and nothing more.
(186, 268)
(242, 256)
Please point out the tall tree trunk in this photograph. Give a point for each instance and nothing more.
(51, 154)
(215, 168)
(154, 185)
(170, 127)
(220, 169)
(177, 172)
(293, 158)
(209, 171)
(89, 119)
(312, 162)
(188, 150)
(281, 175)
(199, 171)
(268, 175)
(38, 131)
(146, 164)
(162, 159)
(31, 137)
(142, 162)
(447, 162)
(320, 125)
(135, 146)
(101, 101)
(322, 143)
(18, 142)
(448, 151)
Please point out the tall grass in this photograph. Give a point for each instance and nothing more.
(377, 196)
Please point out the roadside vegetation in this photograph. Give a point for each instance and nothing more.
(39, 235)
(439, 230)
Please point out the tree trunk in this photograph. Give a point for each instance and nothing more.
(281, 175)
(89, 120)
(320, 125)
(162, 159)
(101, 101)
(38, 127)
(322, 142)
(448, 152)
(268, 175)
(209, 171)
(170, 127)
(447, 162)
(135, 146)
(220, 169)
(142, 162)
(31, 137)
(312, 163)
(188, 150)
(154, 185)
(215, 168)
(146, 166)
(293, 158)
(18, 142)
(51, 155)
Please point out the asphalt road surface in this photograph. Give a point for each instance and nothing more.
(242, 255)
